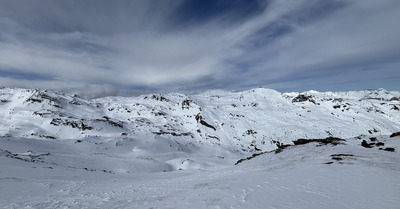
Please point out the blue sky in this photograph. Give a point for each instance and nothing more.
(100, 47)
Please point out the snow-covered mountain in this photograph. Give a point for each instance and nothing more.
(218, 149)
(249, 121)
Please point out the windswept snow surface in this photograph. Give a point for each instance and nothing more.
(179, 151)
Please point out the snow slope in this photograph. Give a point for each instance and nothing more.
(303, 176)
(243, 120)
(178, 151)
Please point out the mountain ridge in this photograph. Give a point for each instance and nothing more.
(249, 120)
(252, 149)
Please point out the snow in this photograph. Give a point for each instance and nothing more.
(151, 151)
(298, 177)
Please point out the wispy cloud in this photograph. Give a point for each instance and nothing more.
(172, 46)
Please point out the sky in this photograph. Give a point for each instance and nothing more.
(120, 47)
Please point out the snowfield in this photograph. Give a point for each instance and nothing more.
(251, 149)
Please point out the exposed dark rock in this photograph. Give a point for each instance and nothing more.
(204, 123)
(28, 157)
(395, 108)
(372, 139)
(360, 137)
(39, 97)
(279, 150)
(213, 137)
(74, 124)
(257, 149)
(81, 124)
(250, 132)
(379, 144)
(337, 158)
(254, 104)
(33, 100)
(329, 133)
(186, 104)
(173, 133)
(88, 169)
(159, 113)
(198, 117)
(43, 136)
(304, 98)
(280, 146)
(389, 149)
(236, 115)
(337, 100)
(200, 120)
(106, 119)
(329, 140)
(160, 98)
(249, 158)
(43, 113)
(366, 144)
(76, 102)
(342, 155)
(374, 130)
(395, 134)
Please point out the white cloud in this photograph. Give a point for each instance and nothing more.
(364, 34)
(133, 44)
(85, 90)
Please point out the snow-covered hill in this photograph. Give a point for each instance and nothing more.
(173, 150)
(249, 120)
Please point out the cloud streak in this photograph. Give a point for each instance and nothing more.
(182, 45)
